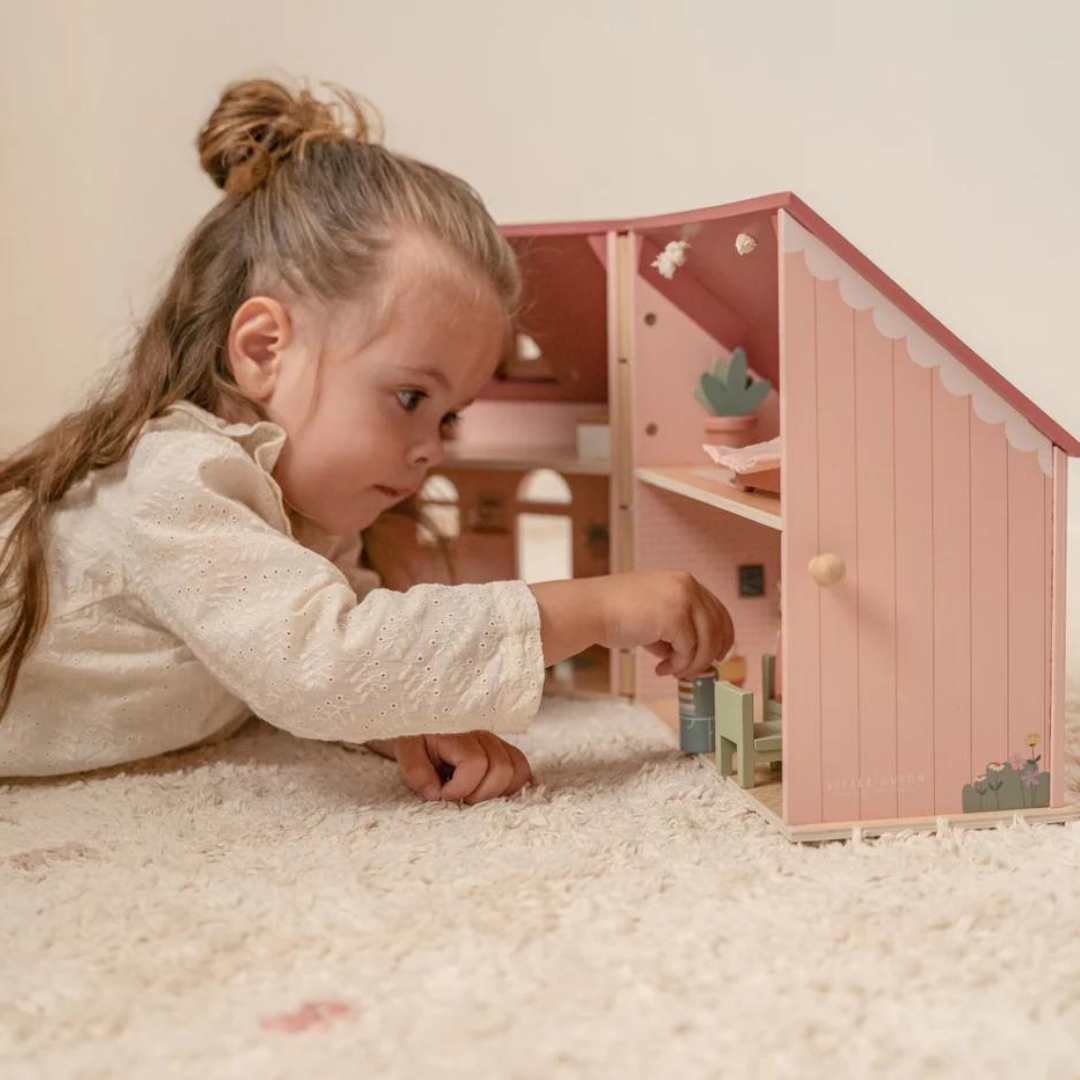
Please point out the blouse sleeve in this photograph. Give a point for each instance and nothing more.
(204, 550)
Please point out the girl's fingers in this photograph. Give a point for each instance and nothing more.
(663, 650)
(417, 768)
(482, 766)
(500, 769)
(469, 760)
(704, 654)
(684, 647)
(522, 772)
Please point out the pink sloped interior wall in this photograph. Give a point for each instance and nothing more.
(563, 309)
(733, 297)
(670, 353)
(932, 658)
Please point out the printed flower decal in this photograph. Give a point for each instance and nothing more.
(1018, 784)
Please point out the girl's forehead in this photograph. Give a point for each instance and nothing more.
(426, 299)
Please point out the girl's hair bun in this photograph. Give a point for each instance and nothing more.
(259, 122)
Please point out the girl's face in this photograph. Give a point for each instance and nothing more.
(365, 412)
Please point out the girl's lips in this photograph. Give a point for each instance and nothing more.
(393, 493)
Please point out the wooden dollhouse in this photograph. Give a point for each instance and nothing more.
(919, 532)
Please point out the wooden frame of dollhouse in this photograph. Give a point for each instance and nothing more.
(939, 486)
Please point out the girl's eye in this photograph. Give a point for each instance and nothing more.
(410, 399)
(449, 422)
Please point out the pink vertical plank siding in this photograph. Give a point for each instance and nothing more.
(989, 595)
(837, 534)
(952, 597)
(1027, 614)
(943, 647)
(799, 544)
(1048, 622)
(1057, 637)
(914, 585)
(876, 546)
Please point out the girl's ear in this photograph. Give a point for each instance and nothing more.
(258, 335)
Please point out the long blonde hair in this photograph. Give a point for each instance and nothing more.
(311, 201)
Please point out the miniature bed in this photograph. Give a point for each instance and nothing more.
(919, 529)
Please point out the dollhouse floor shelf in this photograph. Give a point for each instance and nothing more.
(700, 482)
(515, 458)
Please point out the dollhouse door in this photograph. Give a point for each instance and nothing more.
(917, 557)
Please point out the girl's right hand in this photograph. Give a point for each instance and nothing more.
(669, 613)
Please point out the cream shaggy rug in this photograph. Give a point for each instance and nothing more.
(275, 908)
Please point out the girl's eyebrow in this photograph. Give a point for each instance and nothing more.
(437, 376)
(431, 373)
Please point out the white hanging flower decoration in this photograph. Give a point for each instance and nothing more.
(745, 243)
(672, 257)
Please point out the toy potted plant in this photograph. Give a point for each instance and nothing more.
(731, 396)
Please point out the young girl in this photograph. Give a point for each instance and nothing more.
(185, 550)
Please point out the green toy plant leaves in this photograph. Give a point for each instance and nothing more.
(736, 377)
(729, 390)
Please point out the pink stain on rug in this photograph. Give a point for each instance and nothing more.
(42, 858)
(310, 1014)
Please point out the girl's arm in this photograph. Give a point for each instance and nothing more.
(201, 533)
(571, 616)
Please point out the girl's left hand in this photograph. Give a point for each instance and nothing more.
(476, 766)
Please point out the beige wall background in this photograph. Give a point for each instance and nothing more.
(938, 135)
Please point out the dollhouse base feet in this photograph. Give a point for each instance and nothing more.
(766, 799)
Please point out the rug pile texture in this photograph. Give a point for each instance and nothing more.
(270, 907)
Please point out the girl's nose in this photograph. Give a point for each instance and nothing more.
(428, 454)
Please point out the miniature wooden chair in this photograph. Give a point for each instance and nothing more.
(736, 731)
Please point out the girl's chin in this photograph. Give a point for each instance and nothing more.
(346, 524)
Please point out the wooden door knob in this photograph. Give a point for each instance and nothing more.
(827, 569)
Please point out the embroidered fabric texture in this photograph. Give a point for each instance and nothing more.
(181, 600)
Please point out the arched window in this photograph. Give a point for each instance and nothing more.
(545, 539)
(440, 506)
(543, 486)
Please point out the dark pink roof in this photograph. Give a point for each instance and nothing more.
(814, 223)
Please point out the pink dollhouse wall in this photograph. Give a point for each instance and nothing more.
(671, 531)
(732, 297)
(564, 288)
(670, 352)
(932, 658)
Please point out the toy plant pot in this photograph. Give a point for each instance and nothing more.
(733, 431)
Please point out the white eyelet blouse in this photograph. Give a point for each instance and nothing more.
(181, 600)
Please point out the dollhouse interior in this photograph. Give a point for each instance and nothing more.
(584, 455)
